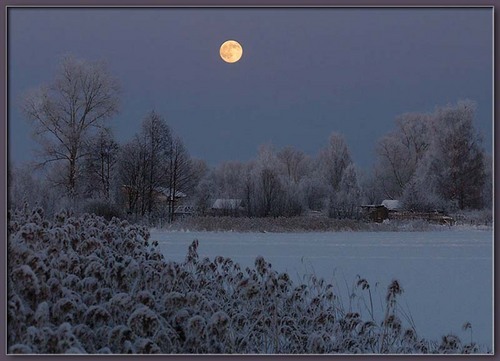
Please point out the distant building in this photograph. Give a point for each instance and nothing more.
(227, 207)
(380, 212)
(162, 197)
(185, 210)
(375, 212)
(392, 204)
(393, 209)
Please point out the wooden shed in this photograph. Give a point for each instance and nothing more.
(375, 212)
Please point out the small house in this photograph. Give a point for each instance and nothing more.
(392, 205)
(375, 212)
(227, 207)
(380, 212)
(393, 209)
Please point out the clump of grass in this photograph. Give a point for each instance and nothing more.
(87, 285)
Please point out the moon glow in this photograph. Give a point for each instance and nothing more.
(231, 51)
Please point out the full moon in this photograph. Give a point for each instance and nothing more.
(231, 51)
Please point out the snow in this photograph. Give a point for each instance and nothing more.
(391, 204)
(446, 275)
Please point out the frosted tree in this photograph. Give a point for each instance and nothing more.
(67, 112)
(30, 187)
(333, 161)
(249, 188)
(313, 191)
(199, 170)
(400, 151)
(203, 193)
(292, 168)
(267, 158)
(266, 185)
(371, 187)
(202, 185)
(487, 198)
(292, 163)
(229, 179)
(419, 195)
(456, 158)
(348, 199)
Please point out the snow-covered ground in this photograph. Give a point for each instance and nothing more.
(446, 275)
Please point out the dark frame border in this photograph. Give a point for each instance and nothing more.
(495, 4)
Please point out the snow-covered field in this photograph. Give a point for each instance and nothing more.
(446, 275)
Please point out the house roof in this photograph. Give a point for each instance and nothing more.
(391, 204)
(226, 203)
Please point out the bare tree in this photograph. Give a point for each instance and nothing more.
(67, 112)
(157, 139)
(101, 164)
(268, 198)
(270, 193)
(131, 172)
(179, 172)
(144, 164)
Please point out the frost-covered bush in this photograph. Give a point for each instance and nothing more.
(86, 285)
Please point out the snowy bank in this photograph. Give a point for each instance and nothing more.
(304, 224)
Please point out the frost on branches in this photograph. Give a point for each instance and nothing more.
(86, 285)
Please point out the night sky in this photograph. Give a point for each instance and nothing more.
(304, 74)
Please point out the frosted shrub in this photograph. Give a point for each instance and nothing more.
(118, 336)
(97, 316)
(86, 336)
(144, 345)
(42, 314)
(26, 282)
(143, 321)
(87, 285)
(20, 349)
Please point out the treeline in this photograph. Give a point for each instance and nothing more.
(80, 164)
(429, 162)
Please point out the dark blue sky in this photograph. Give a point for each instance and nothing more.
(305, 73)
